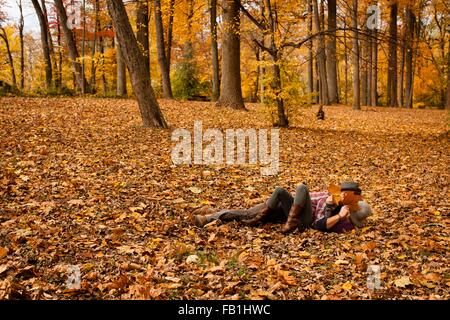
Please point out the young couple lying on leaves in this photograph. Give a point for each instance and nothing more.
(324, 211)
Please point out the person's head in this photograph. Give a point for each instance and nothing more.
(350, 193)
(358, 217)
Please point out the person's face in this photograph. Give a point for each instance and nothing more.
(348, 197)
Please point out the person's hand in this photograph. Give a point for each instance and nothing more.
(344, 213)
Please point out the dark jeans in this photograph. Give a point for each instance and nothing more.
(280, 203)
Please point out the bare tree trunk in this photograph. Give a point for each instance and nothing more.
(365, 66)
(346, 65)
(324, 99)
(44, 42)
(310, 53)
(254, 95)
(121, 88)
(162, 59)
(94, 46)
(401, 99)
(148, 105)
(142, 23)
(4, 36)
(331, 53)
(447, 104)
(392, 58)
(170, 34)
(214, 50)
(374, 67)
(22, 59)
(58, 39)
(50, 46)
(410, 19)
(355, 56)
(102, 66)
(230, 86)
(70, 41)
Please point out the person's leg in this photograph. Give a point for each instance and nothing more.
(300, 214)
(279, 198)
(227, 215)
(303, 199)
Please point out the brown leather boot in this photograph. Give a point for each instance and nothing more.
(293, 222)
(259, 217)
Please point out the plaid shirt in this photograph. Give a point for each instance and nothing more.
(318, 202)
(321, 212)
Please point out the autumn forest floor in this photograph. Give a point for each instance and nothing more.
(83, 184)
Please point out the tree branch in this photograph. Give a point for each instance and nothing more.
(260, 25)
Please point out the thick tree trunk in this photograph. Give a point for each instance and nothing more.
(230, 86)
(214, 50)
(355, 56)
(71, 44)
(148, 105)
(324, 98)
(121, 86)
(44, 42)
(374, 67)
(392, 58)
(310, 53)
(410, 19)
(142, 23)
(162, 59)
(331, 54)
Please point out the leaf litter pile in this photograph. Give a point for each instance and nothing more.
(84, 187)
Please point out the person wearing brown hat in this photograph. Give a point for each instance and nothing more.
(304, 209)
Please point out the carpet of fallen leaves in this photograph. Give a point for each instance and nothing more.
(83, 184)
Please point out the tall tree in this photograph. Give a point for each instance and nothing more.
(400, 91)
(170, 34)
(121, 84)
(364, 63)
(392, 58)
(331, 54)
(148, 105)
(142, 23)
(94, 45)
(447, 103)
(310, 52)
(374, 68)
(71, 44)
(355, 56)
(4, 36)
(410, 22)
(44, 42)
(160, 46)
(230, 85)
(214, 50)
(323, 92)
(22, 49)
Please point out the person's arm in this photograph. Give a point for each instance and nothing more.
(344, 213)
(329, 220)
